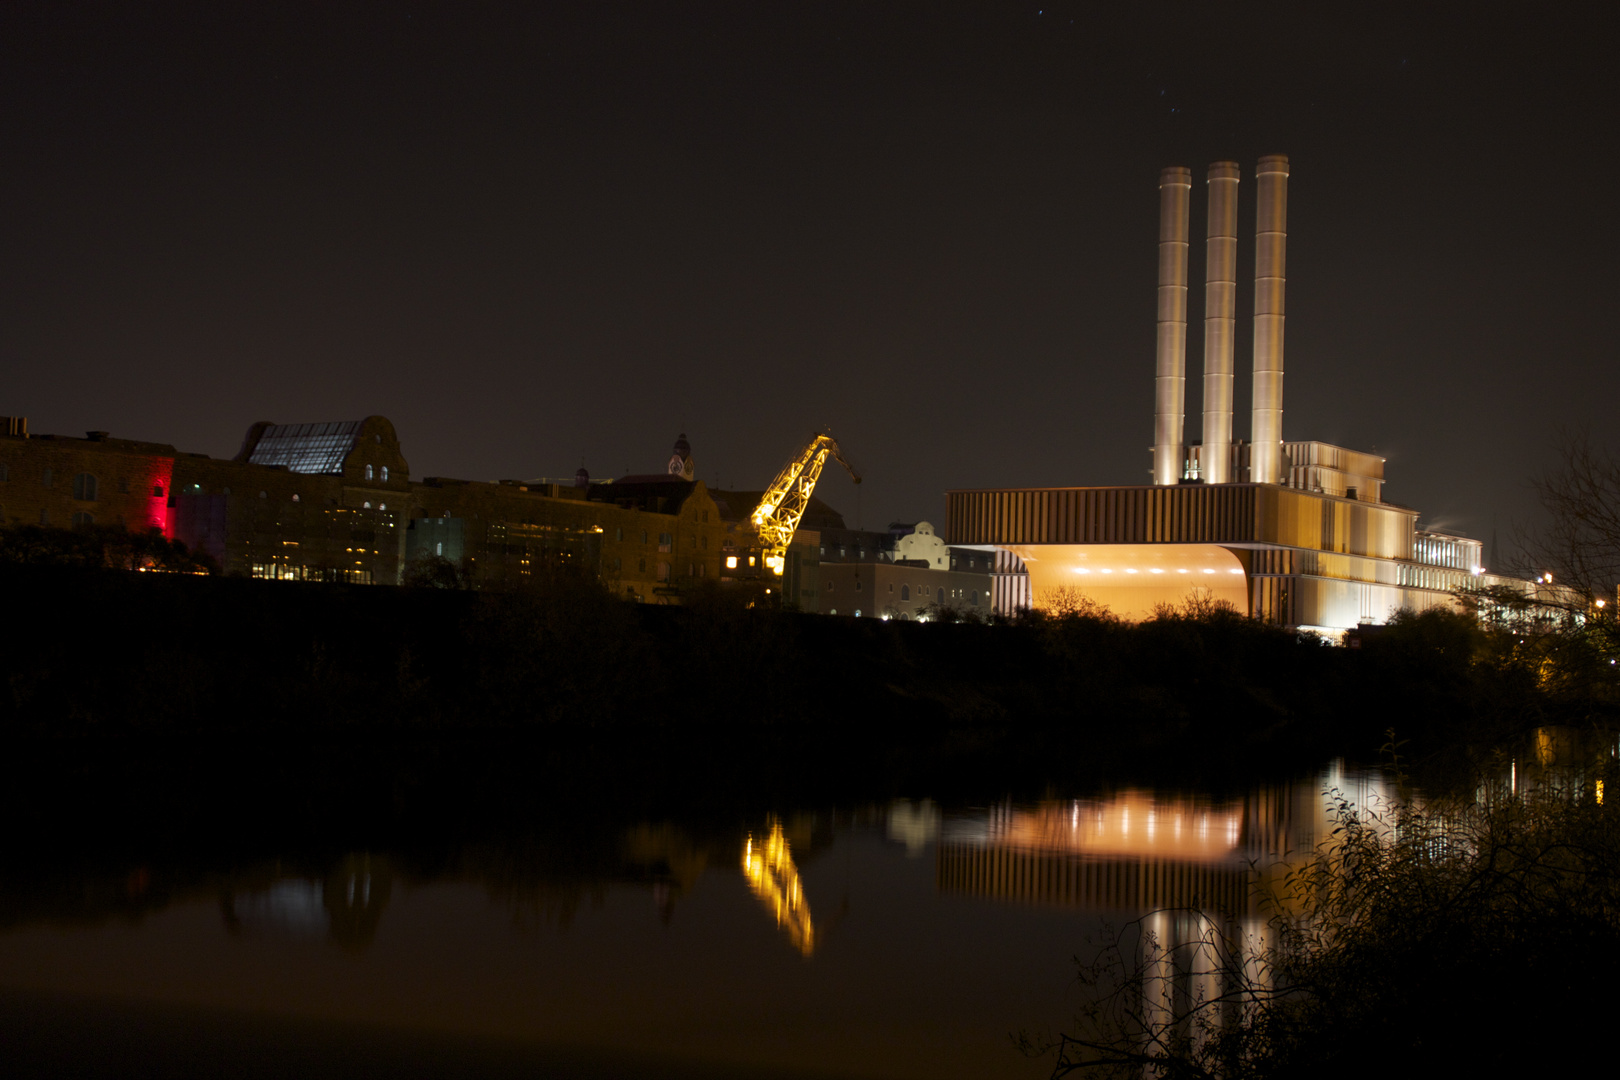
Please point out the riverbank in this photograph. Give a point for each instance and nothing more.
(147, 683)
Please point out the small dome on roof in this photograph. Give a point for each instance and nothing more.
(682, 447)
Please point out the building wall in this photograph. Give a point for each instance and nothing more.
(40, 481)
(898, 591)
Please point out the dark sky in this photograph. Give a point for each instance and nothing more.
(536, 234)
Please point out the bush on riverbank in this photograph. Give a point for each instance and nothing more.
(1450, 940)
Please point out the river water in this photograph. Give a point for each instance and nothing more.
(903, 939)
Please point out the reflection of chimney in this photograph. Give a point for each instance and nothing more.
(1170, 382)
(1270, 277)
(1220, 320)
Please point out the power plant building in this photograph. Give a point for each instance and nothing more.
(1294, 533)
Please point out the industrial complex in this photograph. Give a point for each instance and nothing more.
(1295, 533)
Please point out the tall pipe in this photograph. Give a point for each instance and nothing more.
(1270, 279)
(1170, 382)
(1220, 321)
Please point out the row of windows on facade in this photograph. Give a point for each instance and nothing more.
(86, 488)
(922, 593)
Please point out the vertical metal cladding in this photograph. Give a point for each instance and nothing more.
(1220, 320)
(1170, 383)
(1270, 279)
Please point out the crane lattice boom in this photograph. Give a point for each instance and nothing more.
(777, 516)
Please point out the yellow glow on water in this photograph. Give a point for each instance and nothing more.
(774, 878)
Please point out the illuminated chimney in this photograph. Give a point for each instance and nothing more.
(1270, 278)
(1220, 321)
(1170, 382)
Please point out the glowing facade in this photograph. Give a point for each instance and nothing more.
(1292, 533)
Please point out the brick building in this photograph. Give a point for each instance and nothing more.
(334, 501)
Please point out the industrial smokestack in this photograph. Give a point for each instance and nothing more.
(1220, 321)
(1270, 278)
(1170, 383)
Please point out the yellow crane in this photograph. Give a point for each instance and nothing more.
(785, 501)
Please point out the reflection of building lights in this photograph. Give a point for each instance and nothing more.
(774, 879)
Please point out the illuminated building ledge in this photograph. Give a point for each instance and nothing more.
(1286, 556)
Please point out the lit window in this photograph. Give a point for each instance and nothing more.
(363, 506)
(663, 571)
(731, 562)
(385, 474)
(438, 548)
(368, 472)
(296, 499)
(750, 560)
(84, 487)
(382, 506)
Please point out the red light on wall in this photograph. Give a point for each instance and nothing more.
(159, 474)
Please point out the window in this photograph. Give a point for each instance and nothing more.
(5, 472)
(438, 548)
(296, 499)
(857, 588)
(263, 495)
(618, 534)
(705, 517)
(643, 536)
(641, 566)
(617, 563)
(663, 571)
(382, 506)
(368, 472)
(82, 518)
(47, 478)
(666, 541)
(829, 586)
(385, 474)
(45, 515)
(939, 594)
(705, 543)
(905, 592)
(84, 487)
(363, 506)
(731, 562)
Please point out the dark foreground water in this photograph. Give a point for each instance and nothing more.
(898, 940)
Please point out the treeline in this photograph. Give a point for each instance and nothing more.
(118, 657)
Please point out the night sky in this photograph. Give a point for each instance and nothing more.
(538, 235)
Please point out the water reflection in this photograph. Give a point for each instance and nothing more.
(344, 907)
(939, 929)
(768, 865)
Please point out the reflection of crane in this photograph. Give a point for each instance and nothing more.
(774, 879)
(784, 503)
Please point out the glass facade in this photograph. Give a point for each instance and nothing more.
(307, 448)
